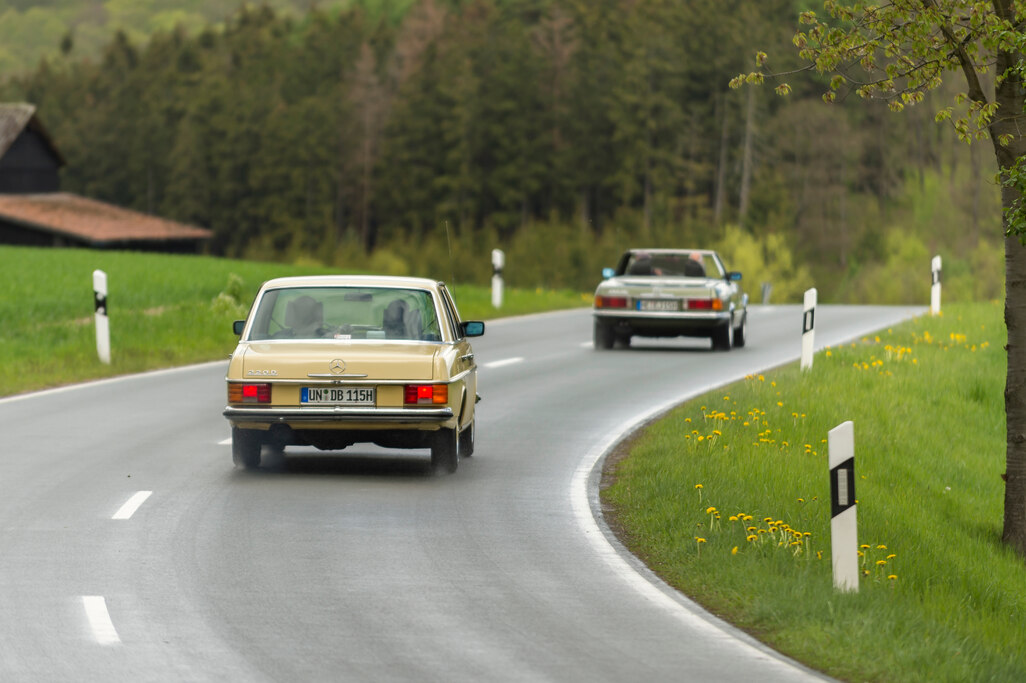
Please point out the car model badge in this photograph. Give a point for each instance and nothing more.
(337, 367)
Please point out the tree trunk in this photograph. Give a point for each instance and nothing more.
(1009, 96)
(721, 170)
(1014, 533)
(746, 163)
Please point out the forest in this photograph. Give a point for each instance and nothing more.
(415, 137)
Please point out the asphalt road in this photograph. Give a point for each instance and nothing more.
(358, 565)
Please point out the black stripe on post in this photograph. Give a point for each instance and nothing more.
(842, 487)
(101, 303)
(936, 277)
(808, 320)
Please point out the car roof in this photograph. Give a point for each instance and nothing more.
(392, 281)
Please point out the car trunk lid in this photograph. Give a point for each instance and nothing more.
(318, 360)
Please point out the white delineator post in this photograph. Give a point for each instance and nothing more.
(102, 322)
(498, 263)
(808, 328)
(935, 289)
(843, 527)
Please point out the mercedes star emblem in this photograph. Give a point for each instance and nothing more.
(337, 366)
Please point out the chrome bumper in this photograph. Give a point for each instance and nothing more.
(336, 414)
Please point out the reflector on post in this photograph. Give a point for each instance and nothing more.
(102, 321)
(808, 328)
(843, 524)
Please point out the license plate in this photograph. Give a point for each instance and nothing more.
(348, 396)
(658, 305)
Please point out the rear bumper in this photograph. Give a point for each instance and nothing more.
(664, 324)
(336, 414)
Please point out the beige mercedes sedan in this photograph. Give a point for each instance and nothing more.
(331, 361)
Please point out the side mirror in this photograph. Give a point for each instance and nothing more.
(734, 276)
(238, 326)
(472, 328)
(608, 273)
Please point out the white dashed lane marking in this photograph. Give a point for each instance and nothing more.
(504, 362)
(128, 509)
(99, 620)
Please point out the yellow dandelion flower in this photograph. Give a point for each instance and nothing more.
(881, 547)
(864, 547)
(880, 563)
(752, 537)
(699, 539)
(891, 556)
(733, 551)
(698, 486)
(709, 510)
(892, 577)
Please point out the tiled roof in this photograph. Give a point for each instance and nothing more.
(92, 221)
(13, 119)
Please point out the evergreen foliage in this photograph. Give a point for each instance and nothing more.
(562, 131)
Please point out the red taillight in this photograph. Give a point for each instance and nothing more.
(249, 393)
(610, 302)
(417, 394)
(705, 305)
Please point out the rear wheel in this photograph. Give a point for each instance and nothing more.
(445, 451)
(246, 444)
(466, 448)
(741, 333)
(604, 337)
(723, 337)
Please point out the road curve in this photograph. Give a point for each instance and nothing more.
(131, 550)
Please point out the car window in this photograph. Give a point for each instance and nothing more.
(671, 264)
(454, 315)
(345, 313)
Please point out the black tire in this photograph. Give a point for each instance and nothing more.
(622, 341)
(741, 333)
(604, 337)
(246, 445)
(467, 440)
(445, 451)
(723, 337)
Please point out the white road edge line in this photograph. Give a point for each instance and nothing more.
(128, 509)
(505, 361)
(99, 620)
(635, 574)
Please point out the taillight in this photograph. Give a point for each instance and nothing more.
(705, 305)
(610, 302)
(418, 394)
(249, 393)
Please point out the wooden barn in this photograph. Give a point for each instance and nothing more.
(33, 210)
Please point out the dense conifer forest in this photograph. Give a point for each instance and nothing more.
(414, 137)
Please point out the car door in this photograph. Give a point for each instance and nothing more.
(464, 363)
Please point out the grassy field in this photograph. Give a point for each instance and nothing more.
(728, 499)
(164, 311)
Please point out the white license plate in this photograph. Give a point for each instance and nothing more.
(659, 305)
(347, 396)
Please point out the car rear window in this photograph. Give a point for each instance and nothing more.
(344, 313)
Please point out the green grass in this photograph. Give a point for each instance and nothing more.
(164, 311)
(926, 399)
